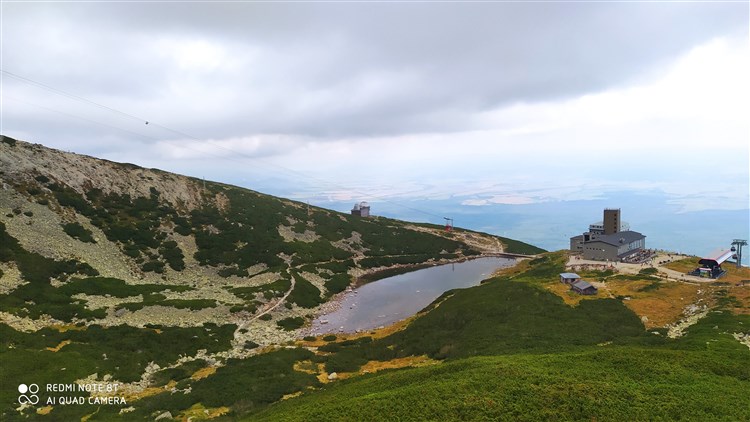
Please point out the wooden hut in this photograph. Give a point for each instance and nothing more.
(569, 278)
(584, 288)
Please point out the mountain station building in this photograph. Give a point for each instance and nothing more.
(609, 240)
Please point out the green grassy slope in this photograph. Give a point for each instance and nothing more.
(612, 383)
(542, 360)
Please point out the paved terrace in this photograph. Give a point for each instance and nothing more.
(575, 264)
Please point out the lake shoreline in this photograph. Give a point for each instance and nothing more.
(435, 286)
(399, 269)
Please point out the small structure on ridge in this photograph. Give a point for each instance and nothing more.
(362, 209)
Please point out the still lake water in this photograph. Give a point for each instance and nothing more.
(392, 299)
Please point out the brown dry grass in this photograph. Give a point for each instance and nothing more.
(44, 410)
(369, 367)
(307, 367)
(203, 373)
(661, 306)
(375, 366)
(323, 375)
(148, 392)
(291, 396)
(67, 327)
(59, 346)
(409, 361)
(570, 297)
(201, 412)
(742, 294)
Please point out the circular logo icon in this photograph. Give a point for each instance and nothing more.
(32, 398)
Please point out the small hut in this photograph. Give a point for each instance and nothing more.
(569, 278)
(584, 288)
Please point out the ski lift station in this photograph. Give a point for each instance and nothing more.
(362, 209)
(710, 266)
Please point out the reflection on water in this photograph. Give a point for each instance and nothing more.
(392, 299)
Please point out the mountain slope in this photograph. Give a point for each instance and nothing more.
(170, 289)
(104, 265)
(236, 247)
(610, 384)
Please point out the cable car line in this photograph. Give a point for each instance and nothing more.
(152, 124)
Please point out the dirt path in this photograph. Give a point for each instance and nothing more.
(276, 305)
(244, 324)
(626, 268)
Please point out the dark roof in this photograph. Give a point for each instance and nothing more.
(582, 285)
(619, 238)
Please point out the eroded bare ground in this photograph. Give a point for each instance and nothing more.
(485, 243)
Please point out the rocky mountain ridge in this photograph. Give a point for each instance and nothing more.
(148, 227)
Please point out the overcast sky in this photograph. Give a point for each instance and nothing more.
(480, 103)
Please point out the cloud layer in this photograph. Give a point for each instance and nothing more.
(485, 102)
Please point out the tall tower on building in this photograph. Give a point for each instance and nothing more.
(611, 220)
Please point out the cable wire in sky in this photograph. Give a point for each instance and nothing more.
(151, 124)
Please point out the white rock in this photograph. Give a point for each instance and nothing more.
(165, 415)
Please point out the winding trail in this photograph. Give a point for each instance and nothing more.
(280, 301)
(274, 306)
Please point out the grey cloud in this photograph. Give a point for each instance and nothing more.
(438, 63)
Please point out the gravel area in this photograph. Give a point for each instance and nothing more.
(11, 278)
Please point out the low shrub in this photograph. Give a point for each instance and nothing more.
(291, 324)
(77, 231)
